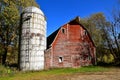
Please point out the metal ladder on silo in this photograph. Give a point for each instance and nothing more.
(27, 44)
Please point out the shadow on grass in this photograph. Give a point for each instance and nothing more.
(103, 64)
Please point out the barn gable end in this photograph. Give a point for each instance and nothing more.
(70, 46)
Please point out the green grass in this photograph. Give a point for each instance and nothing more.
(76, 70)
(53, 74)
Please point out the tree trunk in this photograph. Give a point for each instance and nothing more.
(117, 61)
(4, 56)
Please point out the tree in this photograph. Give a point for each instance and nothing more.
(97, 25)
(114, 34)
(105, 34)
(9, 23)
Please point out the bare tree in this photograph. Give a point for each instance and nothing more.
(113, 32)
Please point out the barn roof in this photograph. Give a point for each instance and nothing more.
(51, 38)
(76, 21)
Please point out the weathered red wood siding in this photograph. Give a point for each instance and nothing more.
(74, 46)
(48, 59)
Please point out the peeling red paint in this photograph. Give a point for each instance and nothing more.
(74, 45)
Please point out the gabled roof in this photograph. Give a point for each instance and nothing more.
(51, 38)
(76, 21)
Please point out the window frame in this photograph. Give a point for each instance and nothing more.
(63, 30)
(60, 59)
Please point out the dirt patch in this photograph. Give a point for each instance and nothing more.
(111, 75)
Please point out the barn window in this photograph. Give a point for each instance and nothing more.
(89, 57)
(85, 32)
(60, 59)
(63, 30)
(81, 58)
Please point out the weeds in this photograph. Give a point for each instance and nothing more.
(6, 71)
(10, 74)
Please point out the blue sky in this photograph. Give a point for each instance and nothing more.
(59, 12)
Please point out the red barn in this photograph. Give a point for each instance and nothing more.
(70, 46)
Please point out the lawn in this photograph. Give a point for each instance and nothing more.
(52, 74)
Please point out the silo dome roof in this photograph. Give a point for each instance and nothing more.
(33, 9)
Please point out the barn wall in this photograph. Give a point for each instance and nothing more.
(73, 45)
(60, 49)
(47, 58)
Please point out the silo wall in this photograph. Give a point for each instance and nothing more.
(32, 39)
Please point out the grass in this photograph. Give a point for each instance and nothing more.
(76, 70)
(5, 71)
(52, 74)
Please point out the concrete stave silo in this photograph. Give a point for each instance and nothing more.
(32, 39)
